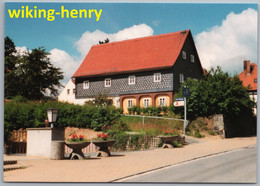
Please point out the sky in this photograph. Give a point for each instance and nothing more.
(225, 34)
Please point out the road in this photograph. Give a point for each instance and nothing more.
(237, 166)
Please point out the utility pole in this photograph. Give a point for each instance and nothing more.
(185, 116)
(186, 93)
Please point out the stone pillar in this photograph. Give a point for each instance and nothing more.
(57, 150)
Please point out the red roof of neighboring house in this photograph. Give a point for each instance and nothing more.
(147, 53)
(249, 79)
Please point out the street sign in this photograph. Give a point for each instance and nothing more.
(186, 92)
(179, 99)
(178, 103)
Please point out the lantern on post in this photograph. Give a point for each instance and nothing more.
(52, 115)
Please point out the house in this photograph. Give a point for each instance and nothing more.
(249, 78)
(68, 93)
(145, 71)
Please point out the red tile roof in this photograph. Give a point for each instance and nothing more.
(147, 53)
(249, 79)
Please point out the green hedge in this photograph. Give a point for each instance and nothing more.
(33, 114)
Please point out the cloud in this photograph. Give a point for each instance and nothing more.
(229, 44)
(22, 50)
(88, 39)
(67, 63)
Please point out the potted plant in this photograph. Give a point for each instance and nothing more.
(103, 141)
(76, 143)
(168, 137)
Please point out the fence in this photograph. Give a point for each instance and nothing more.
(18, 142)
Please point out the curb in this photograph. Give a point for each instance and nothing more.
(121, 179)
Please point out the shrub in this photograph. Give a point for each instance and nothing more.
(121, 140)
(212, 133)
(177, 143)
(33, 114)
(198, 135)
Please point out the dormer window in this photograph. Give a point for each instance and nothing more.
(108, 82)
(183, 55)
(192, 58)
(157, 77)
(131, 80)
(85, 84)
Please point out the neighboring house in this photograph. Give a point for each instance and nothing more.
(68, 94)
(249, 78)
(144, 71)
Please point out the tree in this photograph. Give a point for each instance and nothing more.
(11, 84)
(31, 74)
(219, 93)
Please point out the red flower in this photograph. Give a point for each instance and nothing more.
(98, 135)
(166, 132)
(171, 131)
(81, 136)
(74, 136)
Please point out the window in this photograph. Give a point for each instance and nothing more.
(183, 55)
(192, 58)
(108, 82)
(131, 80)
(162, 102)
(255, 80)
(157, 77)
(146, 102)
(68, 91)
(74, 91)
(130, 103)
(85, 84)
(181, 78)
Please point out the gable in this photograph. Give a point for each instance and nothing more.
(142, 54)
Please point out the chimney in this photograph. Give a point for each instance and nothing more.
(247, 67)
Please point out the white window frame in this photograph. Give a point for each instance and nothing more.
(106, 82)
(162, 100)
(130, 103)
(131, 80)
(146, 102)
(192, 58)
(157, 77)
(183, 53)
(181, 76)
(86, 84)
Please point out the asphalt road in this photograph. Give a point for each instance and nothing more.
(232, 167)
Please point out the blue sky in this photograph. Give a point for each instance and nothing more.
(66, 35)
